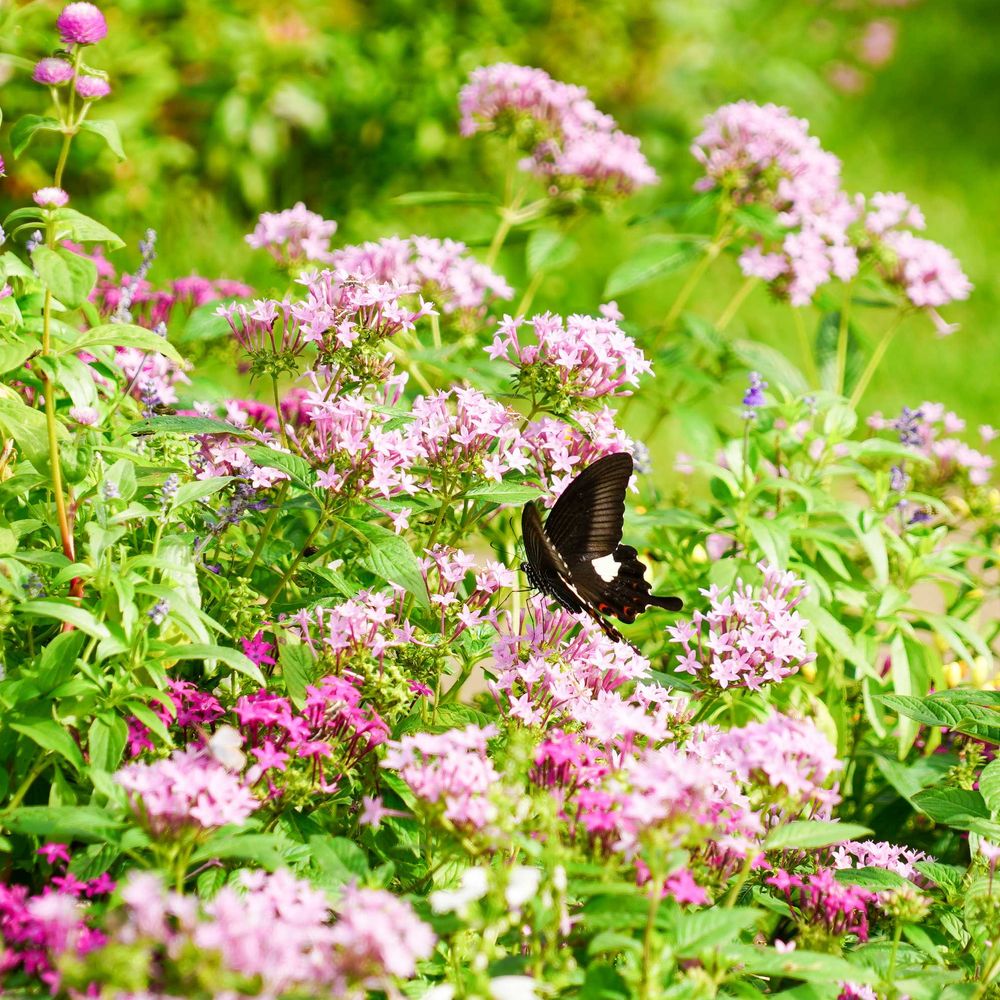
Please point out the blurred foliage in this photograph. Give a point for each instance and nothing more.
(231, 108)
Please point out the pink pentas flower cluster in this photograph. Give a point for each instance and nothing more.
(280, 931)
(450, 771)
(568, 140)
(295, 236)
(265, 327)
(547, 676)
(559, 449)
(342, 310)
(188, 708)
(746, 640)
(820, 900)
(879, 854)
(763, 155)
(444, 570)
(578, 359)
(188, 789)
(785, 764)
(442, 270)
(932, 431)
(331, 734)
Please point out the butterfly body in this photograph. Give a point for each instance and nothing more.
(577, 556)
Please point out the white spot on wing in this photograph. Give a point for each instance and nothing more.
(606, 568)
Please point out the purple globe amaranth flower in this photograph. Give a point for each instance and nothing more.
(92, 88)
(52, 71)
(50, 197)
(81, 24)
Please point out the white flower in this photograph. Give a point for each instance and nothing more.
(513, 988)
(473, 886)
(521, 885)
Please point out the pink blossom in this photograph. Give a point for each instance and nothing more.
(81, 24)
(295, 236)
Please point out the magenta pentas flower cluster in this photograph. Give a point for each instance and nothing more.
(932, 430)
(450, 772)
(441, 270)
(37, 929)
(762, 155)
(820, 901)
(746, 640)
(294, 237)
(190, 789)
(572, 361)
(568, 140)
(278, 931)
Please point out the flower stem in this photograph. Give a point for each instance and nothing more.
(529, 292)
(277, 412)
(17, 798)
(812, 372)
(890, 974)
(646, 989)
(842, 336)
(272, 516)
(508, 216)
(874, 361)
(294, 565)
(727, 314)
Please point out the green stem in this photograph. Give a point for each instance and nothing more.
(727, 314)
(890, 975)
(812, 372)
(508, 216)
(29, 779)
(436, 331)
(277, 412)
(874, 361)
(272, 516)
(648, 939)
(529, 292)
(294, 565)
(842, 335)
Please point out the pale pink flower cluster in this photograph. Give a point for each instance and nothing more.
(442, 270)
(566, 137)
(444, 570)
(559, 449)
(280, 930)
(783, 763)
(154, 378)
(929, 424)
(449, 769)
(188, 789)
(459, 431)
(927, 273)
(547, 676)
(879, 854)
(294, 236)
(341, 309)
(763, 155)
(579, 358)
(746, 640)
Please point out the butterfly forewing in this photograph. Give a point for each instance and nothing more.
(588, 518)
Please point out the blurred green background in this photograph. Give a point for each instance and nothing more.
(231, 108)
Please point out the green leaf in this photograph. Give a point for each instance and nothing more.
(444, 198)
(811, 966)
(827, 336)
(108, 131)
(106, 741)
(296, 467)
(694, 933)
(187, 426)
(340, 860)
(945, 805)
(658, 257)
(198, 490)
(83, 229)
(811, 834)
(549, 249)
(773, 542)
(50, 735)
(80, 618)
(14, 352)
(504, 493)
(126, 335)
(67, 275)
(989, 786)
(902, 684)
(953, 713)
(772, 364)
(24, 131)
(263, 848)
(875, 879)
(203, 324)
(86, 823)
(232, 658)
(391, 558)
(297, 668)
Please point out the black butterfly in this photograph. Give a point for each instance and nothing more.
(577, 556)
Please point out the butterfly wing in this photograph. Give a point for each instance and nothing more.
(545, 567)
(588, 517)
